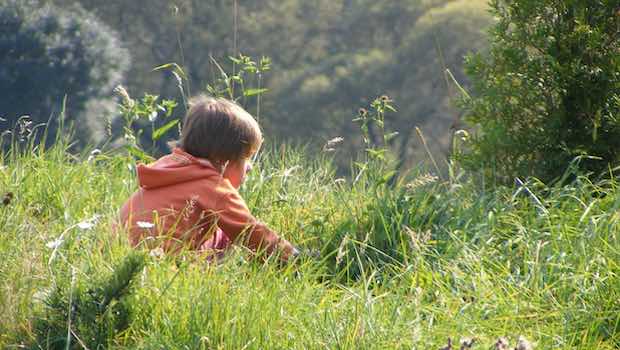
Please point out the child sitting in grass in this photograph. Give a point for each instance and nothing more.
(189, 197)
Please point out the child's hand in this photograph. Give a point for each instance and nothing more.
(302, 254)
(287, 251)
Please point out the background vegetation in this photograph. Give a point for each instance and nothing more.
(548, 92)
(394, 258)
(403, 266)
(331, 57)
(47, 54)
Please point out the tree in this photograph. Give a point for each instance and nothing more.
(396, 48)
(329, 57)
(47, 53)
(548, 92)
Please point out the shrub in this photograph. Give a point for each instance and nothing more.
(548, 91)
(47, 53)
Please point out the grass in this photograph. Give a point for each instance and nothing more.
(402, 266)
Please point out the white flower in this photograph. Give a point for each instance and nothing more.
(330, 146)
(85, 225)
(153, 116)
(88, 223)
(55, 243)
(288, 172)
(93, 155)
(145, 224)
(523, 344)
(462, 134)
(157, 252)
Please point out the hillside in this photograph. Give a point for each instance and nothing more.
(402, 266)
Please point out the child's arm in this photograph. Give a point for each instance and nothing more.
(235, 219)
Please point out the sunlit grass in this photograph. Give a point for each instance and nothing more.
(402, 266)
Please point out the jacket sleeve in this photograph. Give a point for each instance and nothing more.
(235, 219)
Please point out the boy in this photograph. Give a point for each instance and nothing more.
(189, 198)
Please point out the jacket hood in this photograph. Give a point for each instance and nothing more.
(176, 167)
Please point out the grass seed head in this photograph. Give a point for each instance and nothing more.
(501, 344)
(449, 346)
(467, 343)
(523, 344)
(8, 197)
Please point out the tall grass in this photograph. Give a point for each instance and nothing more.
(403, 264)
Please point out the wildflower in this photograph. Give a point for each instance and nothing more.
(385, 99)
(462, 134)
(124, 95)
(145, 224)
(362, 112)
(523, 344)
(55, 243)
(85, 225)
(289, 171)
(467, 343)
(25, 127)
(93, 154)
(501, 344)
(157, 253)
(88, 223)
(330, 145)
(8, 197)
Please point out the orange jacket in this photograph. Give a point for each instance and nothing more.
(183, 200)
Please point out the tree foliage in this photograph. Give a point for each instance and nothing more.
(329, 57)
(47, 53)
(548, 92)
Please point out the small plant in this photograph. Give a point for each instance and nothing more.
(376, 140)
(150, 109)
(80, 316)
(248, 70)
(138, 115)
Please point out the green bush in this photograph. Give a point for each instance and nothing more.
(548, 91)
(47, 53)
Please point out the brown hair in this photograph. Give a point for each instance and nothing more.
(219, 130)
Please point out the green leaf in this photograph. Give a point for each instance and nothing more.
(175, 68)
(390, 136)
(162, 130)
(376, 153)
(253, 92)
(140, 154)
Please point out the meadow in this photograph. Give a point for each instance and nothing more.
(401, 263)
